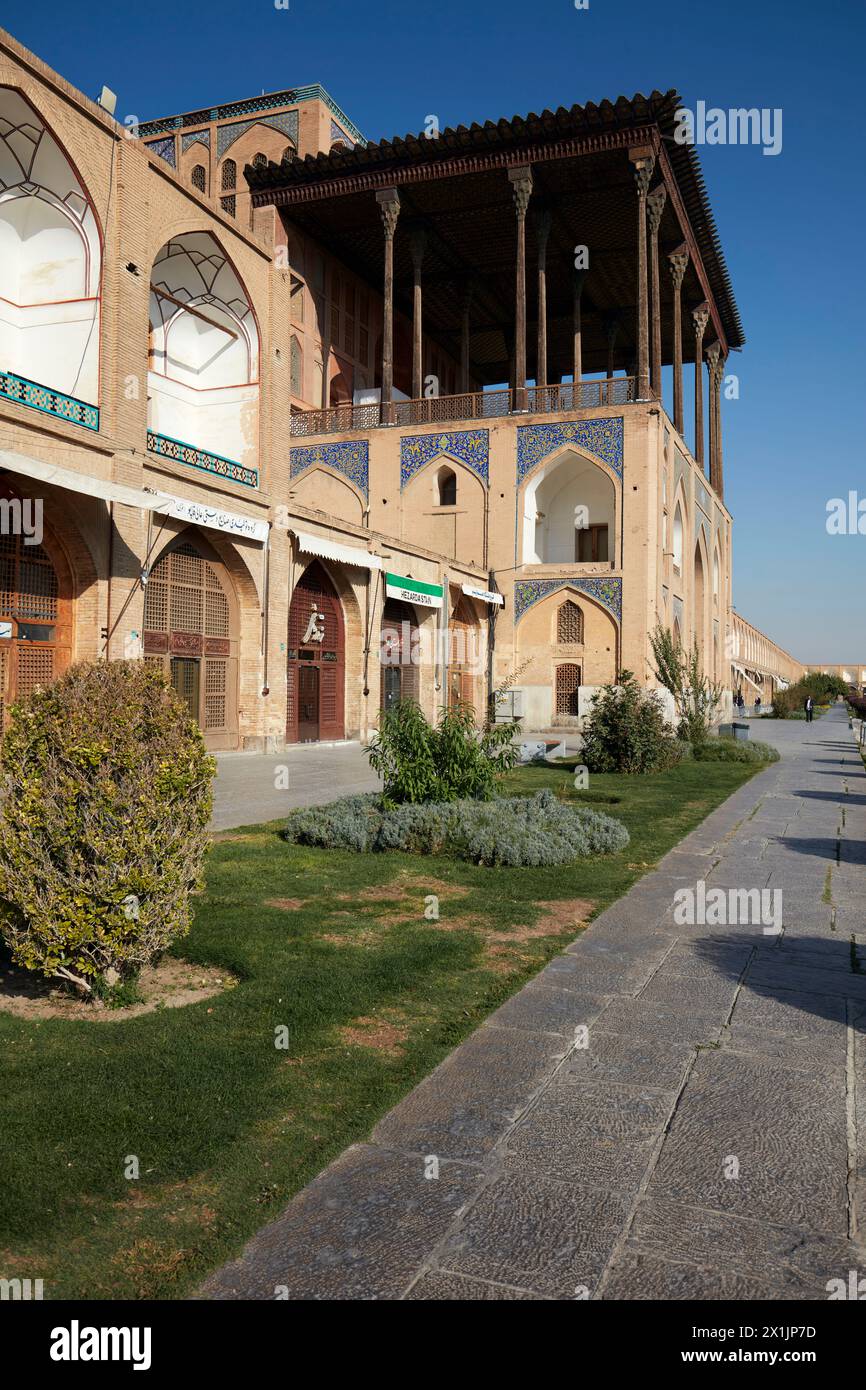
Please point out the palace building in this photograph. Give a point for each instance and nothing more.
(313, 423)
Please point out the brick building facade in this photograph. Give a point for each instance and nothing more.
(306, 474)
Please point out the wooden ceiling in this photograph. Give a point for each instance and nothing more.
(456, 188)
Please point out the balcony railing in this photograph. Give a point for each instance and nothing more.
(470, 405)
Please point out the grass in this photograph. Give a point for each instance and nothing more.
(336, 948)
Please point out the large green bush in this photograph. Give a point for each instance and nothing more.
(103, 824)
(626, 731)
(517, 831)
(823, 689)
(421, 762)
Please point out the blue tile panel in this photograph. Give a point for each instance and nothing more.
(50, 402)
(350, 457)
(469, 446)
(200, 458)
(606, 591)
(600, 437)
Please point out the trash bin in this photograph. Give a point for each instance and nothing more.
(735, 730)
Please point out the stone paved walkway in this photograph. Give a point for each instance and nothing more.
(251, 787)
(608, 1171)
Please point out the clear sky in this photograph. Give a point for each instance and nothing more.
(792, 225)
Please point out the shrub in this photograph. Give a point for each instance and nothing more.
(625, 731)
(822, 688)
(734, 750)
(420, 762)
(103, 823)
(515, 831)
(697, 699)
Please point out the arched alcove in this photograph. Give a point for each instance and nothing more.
(50, 258)
(204, 352)
(569, 513)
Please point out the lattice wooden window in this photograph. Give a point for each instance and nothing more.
(35, 668)
(199, 178)
(569, 623)
(215, 695)
(260, 160)
(296, 366)
(229, 174)
(28, 584)
(229, 205)
(567, 683)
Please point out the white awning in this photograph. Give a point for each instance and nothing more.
(485, 595)
(334, 550)
(79, 482)
(198, 513)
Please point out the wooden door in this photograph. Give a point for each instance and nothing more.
(308, 704)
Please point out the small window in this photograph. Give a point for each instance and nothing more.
(229, 205)
(198, 178)
(296, 367)
(288, 153)
(446, 481)
(297, 300)
(569, 626)
(229, 174)
(260, 161)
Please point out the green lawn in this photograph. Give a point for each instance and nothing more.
(227, 1127)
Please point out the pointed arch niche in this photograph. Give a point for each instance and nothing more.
(570, 513)
(50, 265)
(203, 390)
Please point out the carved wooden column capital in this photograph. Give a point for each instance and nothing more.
(521, 188)
(700, 319)
(655, 206)
(389, 206)
(643, 167)
(678, 261)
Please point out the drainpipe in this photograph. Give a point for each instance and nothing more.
(266, 602)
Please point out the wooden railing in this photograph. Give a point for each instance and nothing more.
(469, 405)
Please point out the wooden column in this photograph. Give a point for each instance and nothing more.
(418, 243)
(677, 261)
(577, 369)
(715, 372)
(643, 164)
(700, 315)
(464, 337)
(542, 232)
(611, 328)
(521, 187)
(655, 207)
(389, 206)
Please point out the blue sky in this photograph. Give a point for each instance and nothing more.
(791, 225)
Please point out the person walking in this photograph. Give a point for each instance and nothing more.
(809, 707)
(757, 705)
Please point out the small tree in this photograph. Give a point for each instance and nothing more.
(103, 826)
(696, 698)
(626, 731)
(421, 762)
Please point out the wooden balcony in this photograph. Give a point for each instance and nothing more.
(471, 405)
